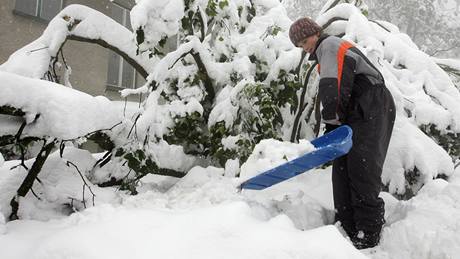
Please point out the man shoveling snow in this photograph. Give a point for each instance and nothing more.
(352, 91)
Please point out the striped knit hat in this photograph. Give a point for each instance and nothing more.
(303, 28)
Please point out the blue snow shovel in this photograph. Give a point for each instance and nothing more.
(328, 147)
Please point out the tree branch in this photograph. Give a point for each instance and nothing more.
(84, 183)
(317, 116)
(383, 27)
(207, 84)
(30, 178)
(328, 23)
(332, 5)
(296, 128)
(443, 50)
(140, 69)
(12, 111)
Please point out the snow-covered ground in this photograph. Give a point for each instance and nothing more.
(204, 216)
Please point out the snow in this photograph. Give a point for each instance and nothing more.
(232, 168)
(64, 113)
(158, 19)
(61, 186)
(426, 226)
(270, 153)
(220, 231)
(227, 105)
(171, 156)
(287, 61)
(158, 118)
(127, 92)
(408, 149)
(201, 216)
(204, 215)
(454, 63)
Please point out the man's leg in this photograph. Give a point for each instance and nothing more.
(371, 137)
(364, 167)
(342, 199)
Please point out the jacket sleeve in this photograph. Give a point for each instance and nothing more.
(335, 85)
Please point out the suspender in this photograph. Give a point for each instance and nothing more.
(344, 46)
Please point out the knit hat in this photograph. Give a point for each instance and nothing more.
(303, 28)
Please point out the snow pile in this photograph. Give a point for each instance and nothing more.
(410, 148)
(426, 226)
(64, 113)
(224, 231)
(61, 189)
(201, 216)
(74, 20)
(204, 216)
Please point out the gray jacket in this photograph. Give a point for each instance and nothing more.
(344, 72)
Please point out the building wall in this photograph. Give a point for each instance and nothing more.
(16, 31)
(89, 62)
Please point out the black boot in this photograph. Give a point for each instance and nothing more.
(365, 239)
(350, 230)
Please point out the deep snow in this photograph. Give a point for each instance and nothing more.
(204, 216)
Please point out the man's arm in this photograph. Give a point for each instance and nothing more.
(335, 85)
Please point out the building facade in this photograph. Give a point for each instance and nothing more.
(95, 70)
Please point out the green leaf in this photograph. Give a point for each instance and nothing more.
(211, 9)
(223, 4)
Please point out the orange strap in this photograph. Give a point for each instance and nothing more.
(319, 69)
(344, 46)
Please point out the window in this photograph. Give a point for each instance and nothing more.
(42, 9)
(126, 4)
(120, 74)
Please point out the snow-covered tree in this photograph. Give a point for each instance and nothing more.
(430, 24)
(232, 80)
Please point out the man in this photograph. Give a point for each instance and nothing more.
(352, 91)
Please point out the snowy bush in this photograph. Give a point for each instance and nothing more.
(232, 80)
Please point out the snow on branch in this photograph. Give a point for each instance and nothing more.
(157, 19)
(65, 113)
(81, 23)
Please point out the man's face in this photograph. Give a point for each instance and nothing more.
(308, 44)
